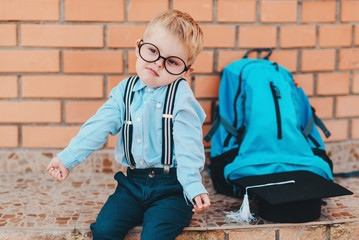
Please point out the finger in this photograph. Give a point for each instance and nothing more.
(206, 201)
(58, 176)
(196, 209)
(53, 173)
(49, 166)
(198, 200)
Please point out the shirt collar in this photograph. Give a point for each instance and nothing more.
(140, 85)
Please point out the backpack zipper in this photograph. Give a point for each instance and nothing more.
(276, 96)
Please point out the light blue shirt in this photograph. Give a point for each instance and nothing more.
(146, 114)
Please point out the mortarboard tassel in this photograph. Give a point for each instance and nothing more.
(244, 213)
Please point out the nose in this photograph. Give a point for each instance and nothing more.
(160, 62)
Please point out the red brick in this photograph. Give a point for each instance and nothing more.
(333, 83)
(319, 11)
(338, 130)
(227, 57)
(14, 61)
(200, 10)
(306, 81)
(335, 36)
(355, 87)
(286, 58)
(93, 62)
(9, 136)
(236, 11)
(8, 87)
(356, 35)
(207, 107)
(62, 87)
(273, 11)
(8, 33)
(94, 10)
(297, 36)
(318, 60)
(257, 36)
(30, 10)
(204, 62)
(206, 86)
(348, 59)
(323, 106)
(113, 81)
(345, 106)
(80, 111)
(34, 35)
(144, 10)
(47, 136)
(131, 62)
(349, 11)
(124, 36)
(355, 129)
(30, 112)
(219, 36)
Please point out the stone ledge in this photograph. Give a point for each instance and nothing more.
(33, 206)
(345, 157)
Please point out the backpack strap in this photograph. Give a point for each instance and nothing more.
(167, 125)
(228, 126)
(259, 51)
(220, 120)
(320, 124)
(315, 119)
(127, 124)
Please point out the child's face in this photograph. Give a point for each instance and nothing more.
(154, 74)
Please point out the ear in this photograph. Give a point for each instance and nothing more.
(136, 47)
(188, 72)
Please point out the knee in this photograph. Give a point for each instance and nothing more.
(105, 231)
(161, 232)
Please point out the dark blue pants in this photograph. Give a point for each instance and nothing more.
(145, 196)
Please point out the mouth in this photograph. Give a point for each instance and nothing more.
(153, 72)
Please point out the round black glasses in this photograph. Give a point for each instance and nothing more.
(150, 53)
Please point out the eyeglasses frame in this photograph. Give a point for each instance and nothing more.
(141, 43)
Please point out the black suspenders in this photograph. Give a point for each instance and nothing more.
(167, 125)
(127, 124)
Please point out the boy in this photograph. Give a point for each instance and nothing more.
(154, 192)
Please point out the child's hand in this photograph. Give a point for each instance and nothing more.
(57, 169)
(201, 202)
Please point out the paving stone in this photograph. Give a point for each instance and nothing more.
(303, 232)
(253, 234)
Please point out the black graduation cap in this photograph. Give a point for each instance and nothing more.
(288, 197)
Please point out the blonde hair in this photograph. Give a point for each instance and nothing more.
(181, 25)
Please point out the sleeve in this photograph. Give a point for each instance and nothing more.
(187, 134)
(93, 134)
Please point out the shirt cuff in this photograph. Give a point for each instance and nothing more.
(193, 190)
(67, 158)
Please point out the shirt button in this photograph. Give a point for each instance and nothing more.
(139, 141)
(158, 105)
(141, 162)
(149, 89)
(138, 119)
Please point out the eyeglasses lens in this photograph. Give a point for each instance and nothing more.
(150, 53)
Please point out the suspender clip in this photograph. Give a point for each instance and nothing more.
(128, 122)
(167, 115)
(166, 169)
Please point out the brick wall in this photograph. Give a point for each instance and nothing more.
(60, 58)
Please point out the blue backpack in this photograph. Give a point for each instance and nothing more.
(264, 124)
